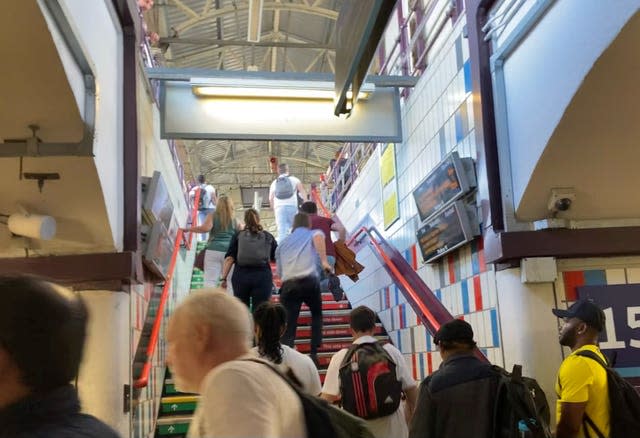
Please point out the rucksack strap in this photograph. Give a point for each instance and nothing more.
(354, 347)
(591, 355)
(586, 420)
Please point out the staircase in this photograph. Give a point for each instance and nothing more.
(176, 409)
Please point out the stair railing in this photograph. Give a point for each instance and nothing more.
(143, 380)
(429, 309)
(317, 199)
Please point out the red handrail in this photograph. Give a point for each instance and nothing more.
(399, 277)
(319, 203)
(143, 380)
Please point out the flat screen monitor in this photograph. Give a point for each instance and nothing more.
(159, 248)
(445, 232)
(447, 182)
(157, 205)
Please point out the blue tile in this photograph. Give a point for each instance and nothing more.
(467, 77)
(595, 277)
(459, 128)
(422, 368)
(465, 297)
(459, 53)
(443, 142)
(428, 336)
(399, 340)
(475, 263)
(494, 328)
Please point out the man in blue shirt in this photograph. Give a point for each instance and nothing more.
(297, 260)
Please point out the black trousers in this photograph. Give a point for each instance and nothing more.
(252, 285)
(292, 294)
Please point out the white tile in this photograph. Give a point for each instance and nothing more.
(633, 275)
(616, 276)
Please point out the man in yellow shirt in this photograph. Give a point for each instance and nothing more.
(582, 409)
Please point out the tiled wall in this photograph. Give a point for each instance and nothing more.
(146, 411)
(437, 119)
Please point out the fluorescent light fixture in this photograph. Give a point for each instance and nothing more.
(270, 89)
(254, 29)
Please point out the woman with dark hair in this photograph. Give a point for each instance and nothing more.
(251, 251)
(270, 322)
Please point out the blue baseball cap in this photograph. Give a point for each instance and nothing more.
(585, 310)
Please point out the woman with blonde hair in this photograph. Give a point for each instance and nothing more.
(250, 251)
(221, 226)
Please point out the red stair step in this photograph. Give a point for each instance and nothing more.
(327, 296)
(329, 317)
(337, 330)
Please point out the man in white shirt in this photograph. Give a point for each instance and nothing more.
(206, 203)
(363, 325)
(209, 335)
(283, 198)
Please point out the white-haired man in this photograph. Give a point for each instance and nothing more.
(209, 335)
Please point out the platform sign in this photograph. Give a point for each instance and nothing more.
(390, 205)
(620, 341)
(444, 232)
(444, 184)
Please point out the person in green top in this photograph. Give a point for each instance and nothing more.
(221, 226)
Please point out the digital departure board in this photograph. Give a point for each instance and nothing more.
(444, 232)
(446, 183)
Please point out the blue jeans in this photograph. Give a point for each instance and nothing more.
(284, 220)
(202, 216)
(324, 280)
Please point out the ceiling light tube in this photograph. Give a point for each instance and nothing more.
(270, 89)
(254, 28)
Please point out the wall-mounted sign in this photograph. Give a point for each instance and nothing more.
(450, 180)
(390, 206)
(620, 340)
(159, 248)
(446, 231)
(157, 204)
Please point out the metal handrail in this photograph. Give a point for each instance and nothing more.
(430, 321)
(143, 380)
(319, 203)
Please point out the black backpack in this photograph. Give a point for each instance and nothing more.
(204, 198)
(368, 381)
(323, 420)
(519, 403)
(624, 401)
(254, 249)
(284, 187)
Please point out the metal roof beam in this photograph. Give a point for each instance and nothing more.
(221, 43)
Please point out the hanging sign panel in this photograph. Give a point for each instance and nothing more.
(185, 115)
(390, 206)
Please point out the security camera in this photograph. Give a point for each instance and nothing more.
(563, 204)
(561, 199)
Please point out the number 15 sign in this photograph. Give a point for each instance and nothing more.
(621, 338)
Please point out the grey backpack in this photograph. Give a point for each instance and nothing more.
(254, 249)
(284, 187)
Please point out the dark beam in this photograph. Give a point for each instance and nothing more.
(88, 269)
(221, 43)
(562, 243)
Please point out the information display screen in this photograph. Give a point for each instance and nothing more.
(445, 232)
(444, 184)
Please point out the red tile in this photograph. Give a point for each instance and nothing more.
(572, 279)
(477, 292)
(481, 262)
(451, 268)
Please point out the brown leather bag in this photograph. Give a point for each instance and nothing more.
(346, 263)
